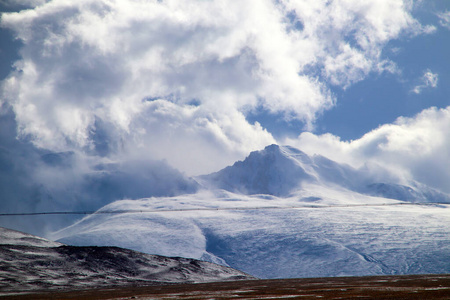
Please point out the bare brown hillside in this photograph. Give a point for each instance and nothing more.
(377, 287)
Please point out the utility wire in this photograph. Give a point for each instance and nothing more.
(211, 209)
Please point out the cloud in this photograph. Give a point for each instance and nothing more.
(21, 3)
(89, 69)
(36, 180)
(444, 19)
(180, 133)
(428, 80)
(415, 148)
(103, 89)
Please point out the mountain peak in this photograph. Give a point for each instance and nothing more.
(275, 170)
(272, 148)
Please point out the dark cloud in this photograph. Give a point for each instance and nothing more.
(37, 180)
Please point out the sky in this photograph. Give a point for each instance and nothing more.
(199, 84)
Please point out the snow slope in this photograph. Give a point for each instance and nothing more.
(30, 263)
(280, 243)
(280, 214)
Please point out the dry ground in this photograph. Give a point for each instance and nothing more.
(377, 287)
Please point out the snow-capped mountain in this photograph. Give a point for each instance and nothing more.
(274, 171)
(281, 213)
(282, 170)
(29, 263)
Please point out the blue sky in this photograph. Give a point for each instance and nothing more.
(200, 84)
(381, 98)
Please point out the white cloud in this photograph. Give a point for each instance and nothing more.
(428, 80)
(182, 134)
(86, 63)
(413, 148)
(444, 19)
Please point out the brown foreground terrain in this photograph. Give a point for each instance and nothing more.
(375, 287)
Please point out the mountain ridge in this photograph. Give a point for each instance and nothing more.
(280, 170)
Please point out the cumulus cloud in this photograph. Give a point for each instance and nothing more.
(428, 80)
(91, 71)
(415, 148)
(180, 134)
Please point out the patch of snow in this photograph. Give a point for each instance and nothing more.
(13, 237)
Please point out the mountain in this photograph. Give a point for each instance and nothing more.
(283, 214)
(283, 170)
(415, 192)
(275, 171)
(30, 263)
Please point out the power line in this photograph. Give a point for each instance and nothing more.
(212, 209)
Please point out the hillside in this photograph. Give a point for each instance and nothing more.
(29, 263)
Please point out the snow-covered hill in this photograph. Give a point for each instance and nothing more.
(280, 213)
(29, 263)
